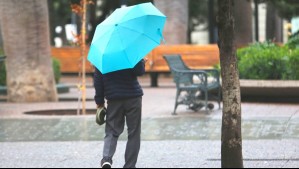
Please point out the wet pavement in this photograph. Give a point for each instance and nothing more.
(153, 129)
(190, 139)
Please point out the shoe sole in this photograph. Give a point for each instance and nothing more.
(106, 165)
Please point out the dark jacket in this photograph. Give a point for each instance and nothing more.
(122, 84)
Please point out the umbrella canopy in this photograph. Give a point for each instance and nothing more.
(126, 37)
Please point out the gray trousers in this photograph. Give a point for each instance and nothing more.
(119, 112)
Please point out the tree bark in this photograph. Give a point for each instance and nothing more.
(25, 30)
(242, 12)
(231, 139)
(177, 12)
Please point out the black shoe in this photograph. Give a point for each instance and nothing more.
(100, 116)
(106, 162)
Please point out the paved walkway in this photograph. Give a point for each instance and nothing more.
(190, 139)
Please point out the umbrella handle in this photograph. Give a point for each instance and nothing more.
(161, 34)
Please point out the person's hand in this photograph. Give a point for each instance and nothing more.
(101, 115)
(100, 105)
(145, 60)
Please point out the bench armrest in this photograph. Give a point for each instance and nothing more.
(189, 74)
(191, 71)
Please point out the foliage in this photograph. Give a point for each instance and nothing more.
(60, 14)
(198, 12)
(56, 69)
(217, 67)
(2, 74)
(293, 65)
(268, 61)
(286, 8)
(293, 41)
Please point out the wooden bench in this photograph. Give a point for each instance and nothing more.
(195, 56)
(70, 59)
(193, 93)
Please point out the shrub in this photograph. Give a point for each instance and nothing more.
(293, 65)
(268, 61)
(2, 74)
(262, 61)
(56, 69)
(293, 42)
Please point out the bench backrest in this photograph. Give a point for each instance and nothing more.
(70, 59)
(176, 64)
(195, 56)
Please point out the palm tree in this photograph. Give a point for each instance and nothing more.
(177, 12)
(231, 139)
(25, 30)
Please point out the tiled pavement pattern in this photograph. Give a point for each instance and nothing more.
(190, 139)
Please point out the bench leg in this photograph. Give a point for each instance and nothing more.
(206, 101)
(176, 102)
(219, 98)
(154, 79)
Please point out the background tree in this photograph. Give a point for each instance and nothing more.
(231, 139)
(274, 25)
(177, 12)
(198, 15)
(242, 12)
(1, 41)
(286, 8)
(60, 15)
(106, 8)
(81, 10)
(25, 30)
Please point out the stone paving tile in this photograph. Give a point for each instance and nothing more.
(270, 134)
(153, 154)
(184, 128)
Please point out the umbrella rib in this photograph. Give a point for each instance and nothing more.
(123, 46)
(140, 33)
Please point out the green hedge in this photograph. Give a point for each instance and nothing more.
(268, 61)
(2, 74)
(293, 42)
(56, 68)
(262, 61)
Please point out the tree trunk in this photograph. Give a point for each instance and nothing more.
(177, 12)
(274, 30)
(25, 30)
(231, 139)
(243, 22)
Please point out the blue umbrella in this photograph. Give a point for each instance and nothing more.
(126, 37)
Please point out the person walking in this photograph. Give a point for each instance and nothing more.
(124, 94)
